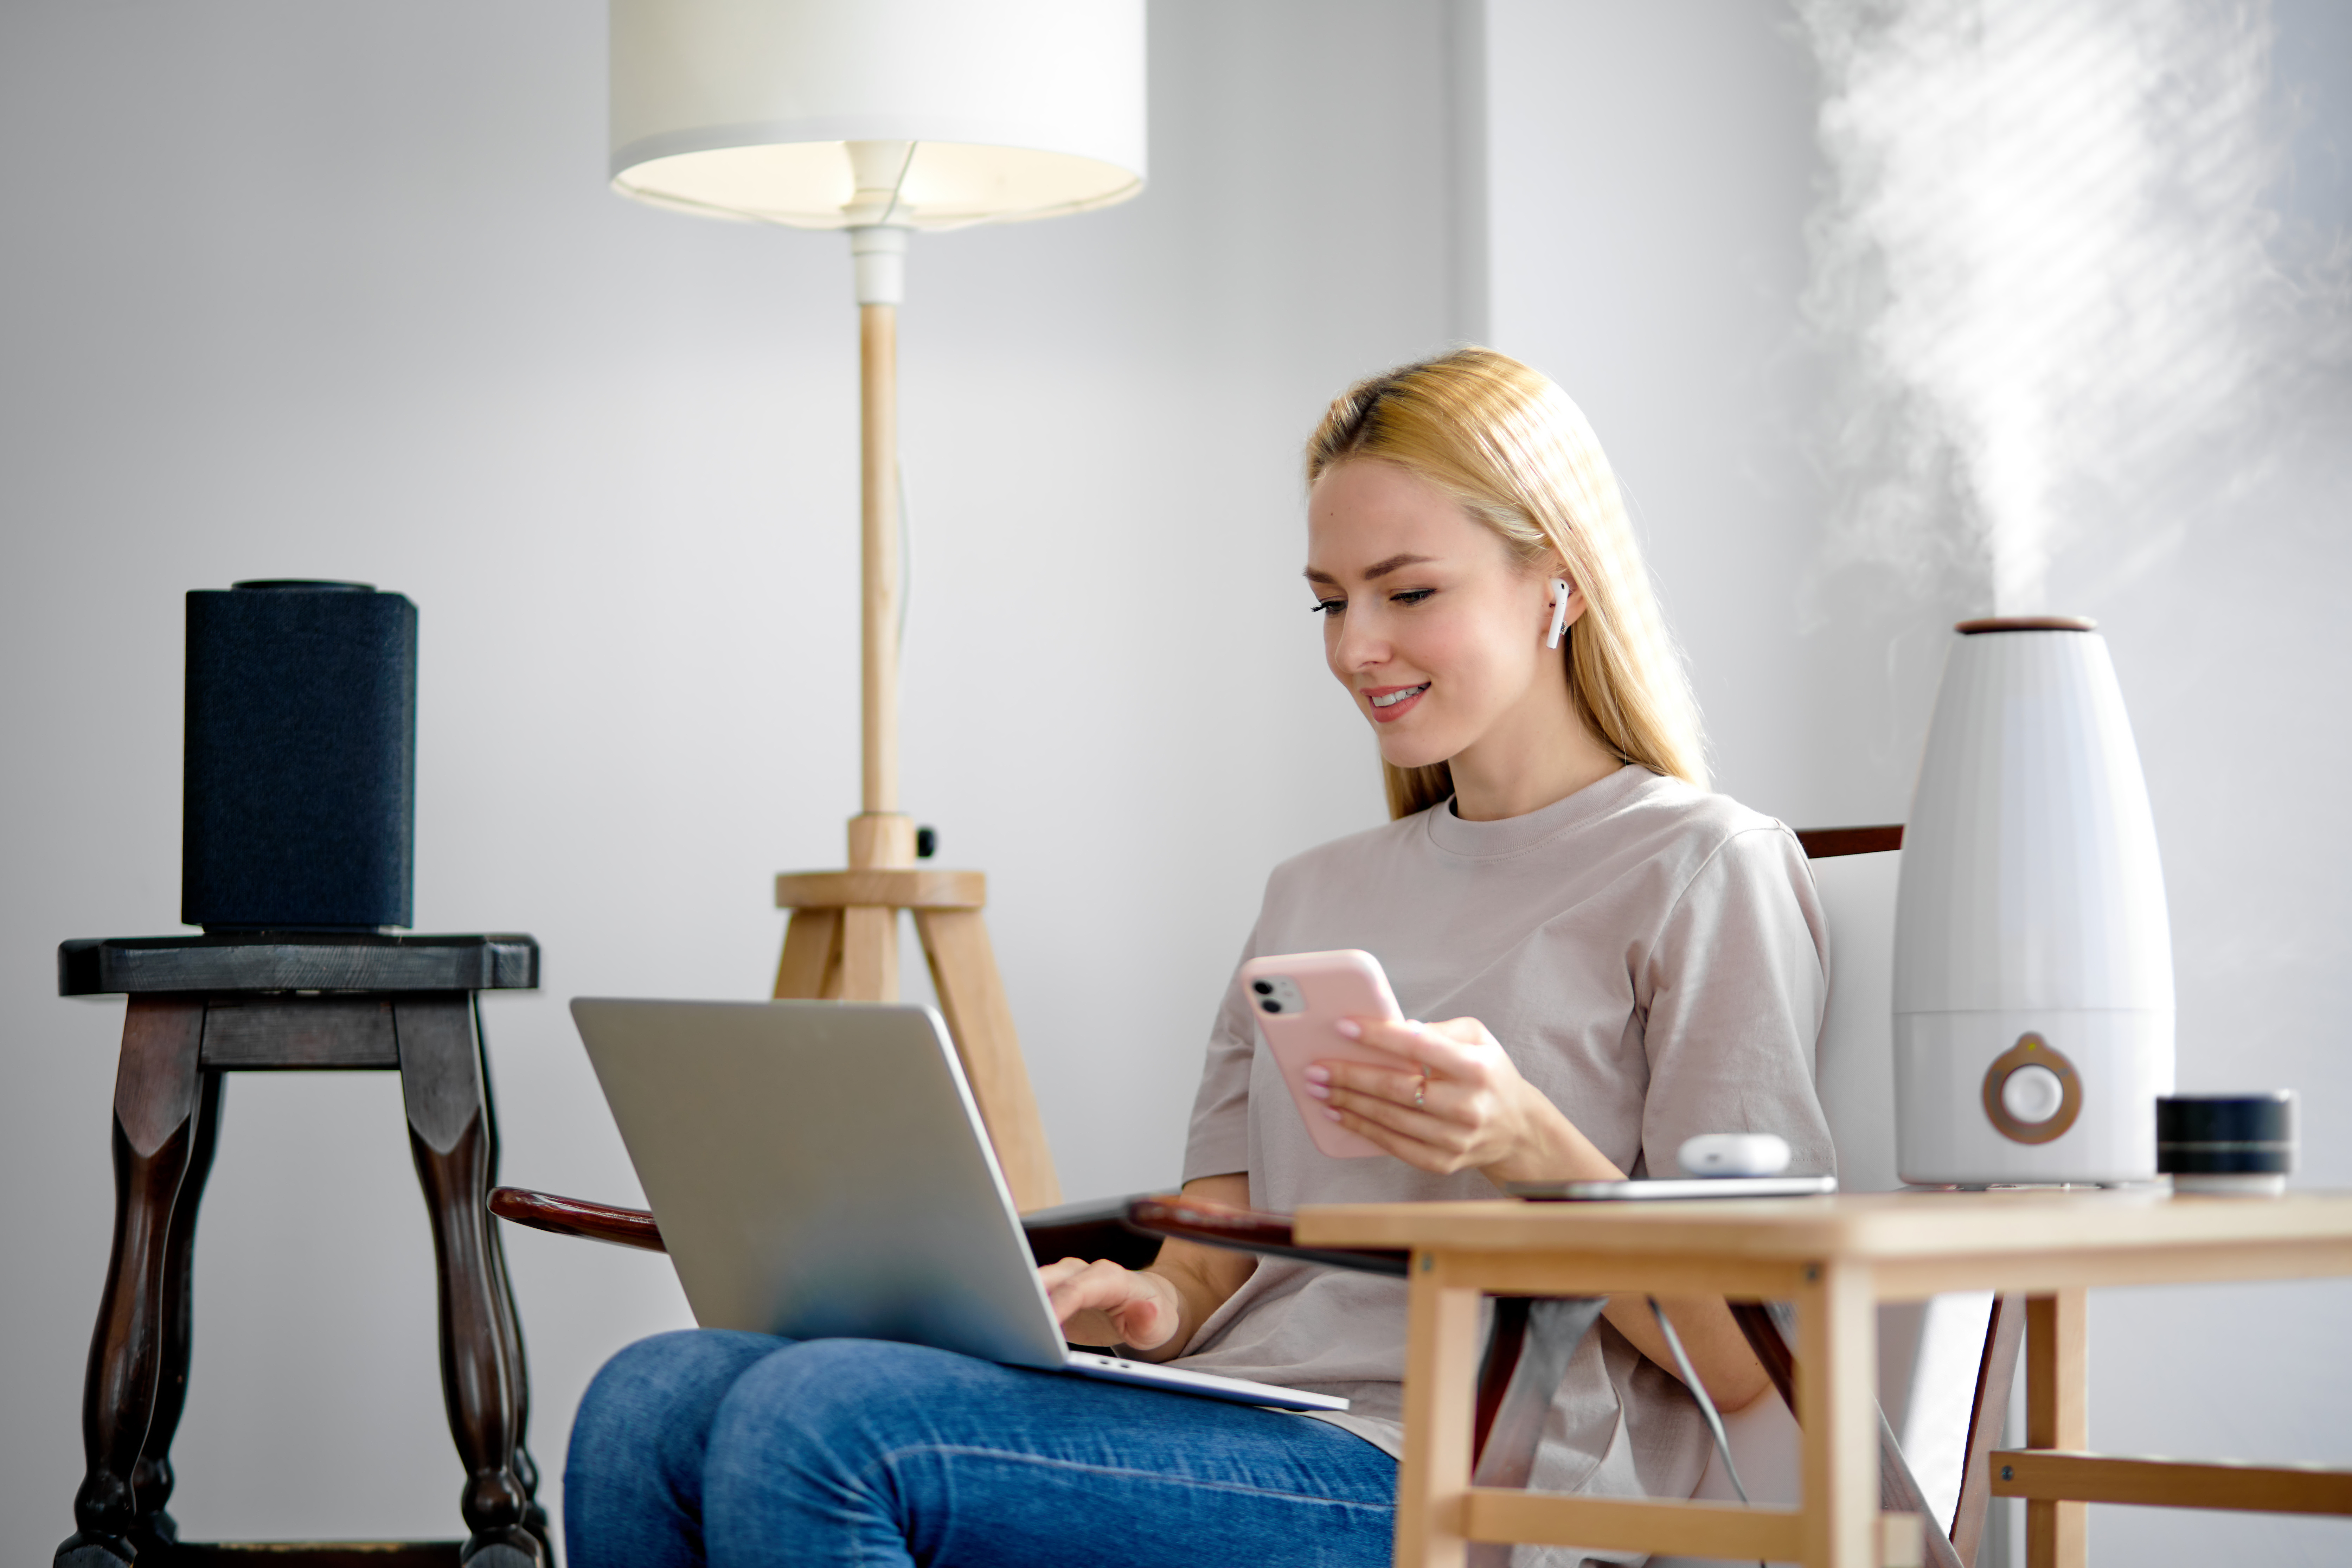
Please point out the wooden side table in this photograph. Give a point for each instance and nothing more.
(1836, 1258)
(200, 1007)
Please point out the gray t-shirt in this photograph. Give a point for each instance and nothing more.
(1654, 960)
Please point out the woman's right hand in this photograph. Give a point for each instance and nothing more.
(1154, 1312)
(1100, 1303)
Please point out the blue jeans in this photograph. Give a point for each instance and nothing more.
(738, 1449)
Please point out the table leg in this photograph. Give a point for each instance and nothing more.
(2057, 1416)
(1440, 1376)
(448, 1135)
(156, 1100)
(1837, 1374)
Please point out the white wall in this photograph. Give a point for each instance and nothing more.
(338, 290)
(1649, 165)
(1654, 169)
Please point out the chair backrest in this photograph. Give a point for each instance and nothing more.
(1853, 1066)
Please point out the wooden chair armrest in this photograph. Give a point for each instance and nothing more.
(577, 1216)
(1253, 1230)
(1090, 1230)
(1107, 1229)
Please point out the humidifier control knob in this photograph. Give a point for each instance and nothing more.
(2033, 1094)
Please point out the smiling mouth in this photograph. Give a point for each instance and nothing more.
(1400, 694)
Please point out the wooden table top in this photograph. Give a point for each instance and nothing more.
(1862, 1226)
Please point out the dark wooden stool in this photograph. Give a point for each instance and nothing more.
(200, 1006)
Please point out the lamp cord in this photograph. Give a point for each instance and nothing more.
(906, 559)
(906, 531)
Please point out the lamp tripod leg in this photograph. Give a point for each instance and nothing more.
(869, 953)
(810, 969)
(980, 1019)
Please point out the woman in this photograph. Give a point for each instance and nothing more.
(1624, 961)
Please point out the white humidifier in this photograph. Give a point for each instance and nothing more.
(2032, 954)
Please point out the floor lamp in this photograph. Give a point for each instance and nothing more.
(882, 117)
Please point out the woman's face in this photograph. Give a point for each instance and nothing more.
(1429, 620)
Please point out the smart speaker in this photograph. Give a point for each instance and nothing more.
(299, 779)
(2033, 1010)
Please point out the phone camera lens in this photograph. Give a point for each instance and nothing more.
(1271, 1006)
(1262, 987)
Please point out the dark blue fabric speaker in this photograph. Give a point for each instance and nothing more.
(300, 788)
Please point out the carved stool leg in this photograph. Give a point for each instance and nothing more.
(535, 1518)
(156, 1108)
(449, 1134)
(151, 1483)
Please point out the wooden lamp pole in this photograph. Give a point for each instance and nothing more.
(842, 942)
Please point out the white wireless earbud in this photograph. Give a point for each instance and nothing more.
(1560, 592)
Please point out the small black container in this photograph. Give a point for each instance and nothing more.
(299, 784)
(2226, 1142)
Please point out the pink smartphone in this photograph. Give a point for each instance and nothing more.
(1298, 997)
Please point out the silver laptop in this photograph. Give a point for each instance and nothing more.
(819, 1171)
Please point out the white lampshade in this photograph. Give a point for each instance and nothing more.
(2034, 1005)
(970, 110)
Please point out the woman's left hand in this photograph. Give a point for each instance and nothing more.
(1466, 1108)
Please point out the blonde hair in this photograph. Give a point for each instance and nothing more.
(1507, 444)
